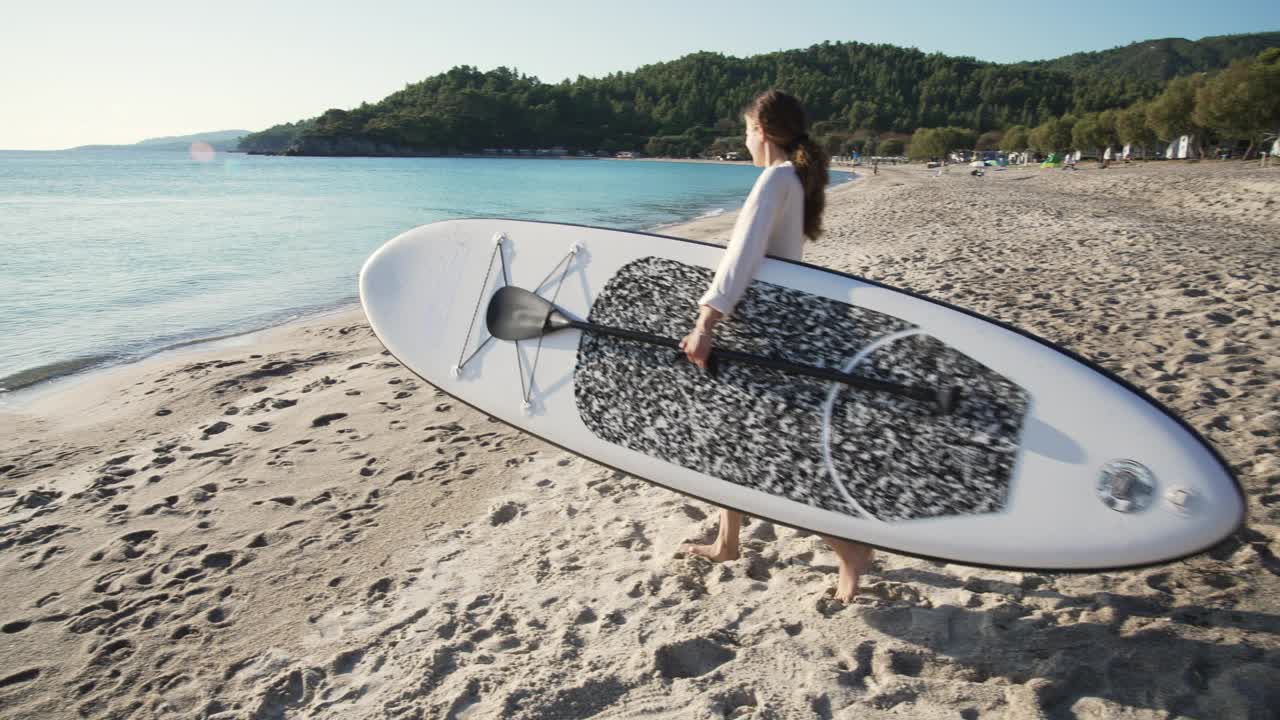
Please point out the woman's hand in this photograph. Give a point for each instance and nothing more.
(697, 344)
(697, 347)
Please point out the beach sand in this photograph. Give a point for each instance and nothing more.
(295, 526)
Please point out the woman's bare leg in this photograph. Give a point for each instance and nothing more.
(726, 545)
(854, 558)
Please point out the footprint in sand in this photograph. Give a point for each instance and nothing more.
(691, 658)
(505, 513)
(323, 382)
(126, 547)
(326, 419)
(215, 429)
(22, 676)
(203, 493)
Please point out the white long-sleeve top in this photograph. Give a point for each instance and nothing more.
(770, 223)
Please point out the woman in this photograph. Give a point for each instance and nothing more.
(785, 206)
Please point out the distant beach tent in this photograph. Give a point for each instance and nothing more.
(1181, 148)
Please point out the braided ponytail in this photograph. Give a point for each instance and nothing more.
(811, 164)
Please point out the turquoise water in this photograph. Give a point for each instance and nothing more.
(111, 255)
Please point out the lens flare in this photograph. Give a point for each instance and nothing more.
(203, 152)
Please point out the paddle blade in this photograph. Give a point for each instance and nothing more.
(517, 314)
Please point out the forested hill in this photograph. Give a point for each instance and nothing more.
(222, 140)
(184, 141)
(1160, 60)
(681, 107)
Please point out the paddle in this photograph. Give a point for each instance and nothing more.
(517, 314)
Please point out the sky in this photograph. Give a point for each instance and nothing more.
(94, 72)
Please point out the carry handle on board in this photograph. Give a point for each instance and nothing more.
(517, 314)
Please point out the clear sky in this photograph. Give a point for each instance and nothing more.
(94, 71)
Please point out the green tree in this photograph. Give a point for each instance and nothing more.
(837, 143)
(961, 138)
(1062, 136)
(1087, 134)
(1107, 127)
(1053, 135)
(679, 146)
(864, 114)
(1243, 101)
(1132, 128)
(827, 127)
(989, 140)
(891, 147)
(926, 144)
(938, 142)
(1171, 113)
(1016, 139)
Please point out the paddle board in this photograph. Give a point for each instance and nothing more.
(1046, 461)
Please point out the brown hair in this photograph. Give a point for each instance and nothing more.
(782, 121)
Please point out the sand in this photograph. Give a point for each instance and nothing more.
(295, 526)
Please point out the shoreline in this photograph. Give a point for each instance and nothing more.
(85, 367)
(27, 397)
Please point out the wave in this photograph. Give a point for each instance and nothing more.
(28, 378)
(713, 212)
(62, 368)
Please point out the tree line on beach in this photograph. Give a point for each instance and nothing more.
(866, 98)
(1237, 105)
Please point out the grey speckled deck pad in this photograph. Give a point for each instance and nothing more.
(764, 428)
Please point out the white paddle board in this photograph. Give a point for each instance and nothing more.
(1045, 462)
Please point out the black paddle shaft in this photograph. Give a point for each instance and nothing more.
(516, 314)
(944, 399)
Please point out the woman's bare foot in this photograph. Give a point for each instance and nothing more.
(854, 560)
(714, 552)
(726, 545)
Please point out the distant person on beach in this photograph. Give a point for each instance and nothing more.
(785, 206)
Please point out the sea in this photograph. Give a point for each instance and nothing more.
(111, 255)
